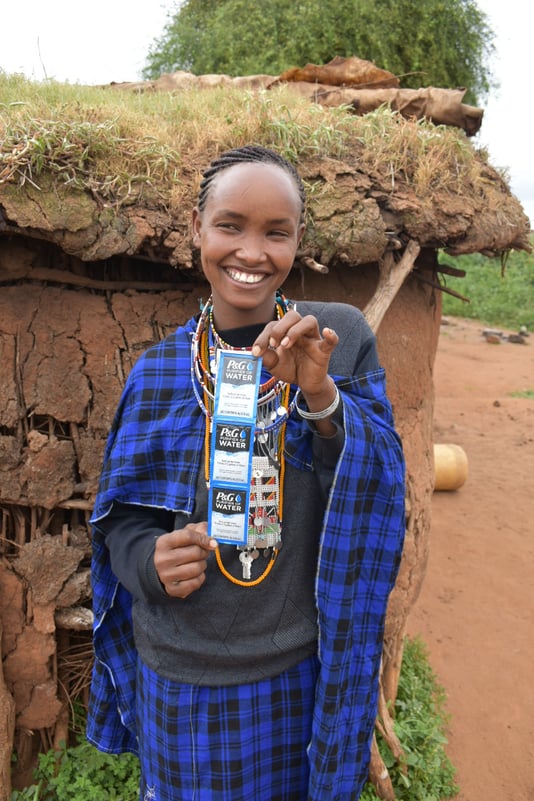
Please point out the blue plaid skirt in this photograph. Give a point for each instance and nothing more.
(241, 743)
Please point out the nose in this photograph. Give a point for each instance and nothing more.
(251, 249)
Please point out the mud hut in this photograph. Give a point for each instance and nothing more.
(96, 264)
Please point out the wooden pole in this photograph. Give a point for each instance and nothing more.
(391, 277)
(7, 732)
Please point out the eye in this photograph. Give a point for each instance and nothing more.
(279, 234)
(227, 226)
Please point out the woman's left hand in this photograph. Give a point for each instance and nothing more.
(296, 351)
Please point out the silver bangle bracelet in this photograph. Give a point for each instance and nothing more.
(317, 415)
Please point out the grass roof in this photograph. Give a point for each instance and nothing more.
(120, 144)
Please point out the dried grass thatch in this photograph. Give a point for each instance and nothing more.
(104, 174)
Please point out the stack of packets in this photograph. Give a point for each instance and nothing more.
(232, 445)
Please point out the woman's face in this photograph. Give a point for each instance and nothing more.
(248, 234)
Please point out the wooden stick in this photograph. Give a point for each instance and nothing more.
(61, 728)
(384, 724)
(379, 775)
(439, 286)
(75, 618)
(7, 733)
(24, 503)
(19, 522)
(65, 277)
(446, 269)
(313, 265)
(391, 278)
(76, 503)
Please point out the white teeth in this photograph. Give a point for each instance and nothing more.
(245, 278)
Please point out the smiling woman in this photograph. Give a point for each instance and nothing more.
(220, 682)
(246, 251)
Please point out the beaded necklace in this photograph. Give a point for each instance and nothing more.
(268, 464)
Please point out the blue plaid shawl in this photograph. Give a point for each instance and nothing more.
(152, 458)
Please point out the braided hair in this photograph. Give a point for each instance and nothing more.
(249, 154)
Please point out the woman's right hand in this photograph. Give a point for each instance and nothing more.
(181, 557)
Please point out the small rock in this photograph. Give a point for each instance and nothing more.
(517, 339)
(488, 332)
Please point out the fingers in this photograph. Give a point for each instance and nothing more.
(180, 559)
(194, 534)
(292, 329)
(330, 339)
(275, 334)
(183, 588)
(294, 350)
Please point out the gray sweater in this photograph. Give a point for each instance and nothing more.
(226, 634)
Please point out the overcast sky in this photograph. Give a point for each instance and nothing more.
(107, 40)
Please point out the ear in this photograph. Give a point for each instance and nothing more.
(196, 224)
(300, 233)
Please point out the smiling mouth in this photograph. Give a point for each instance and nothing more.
(245, 278)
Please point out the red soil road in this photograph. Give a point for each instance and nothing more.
(475, 611)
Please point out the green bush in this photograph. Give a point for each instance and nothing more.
(498, 295)
(420, 722)
(82, 773)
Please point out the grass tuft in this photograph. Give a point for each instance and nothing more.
(118, 143)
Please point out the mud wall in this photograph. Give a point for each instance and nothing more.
(407, 344)
(65, 353)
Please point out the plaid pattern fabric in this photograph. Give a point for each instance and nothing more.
(111, 724)
(220, 743)
(152, 458)
(157, 436)
(359, 559)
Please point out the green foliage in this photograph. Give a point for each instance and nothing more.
(446, 43)
(85, 774)
(33, 793)
(498, 296)
(420, 720)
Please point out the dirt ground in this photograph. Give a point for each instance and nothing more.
(476, 608)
